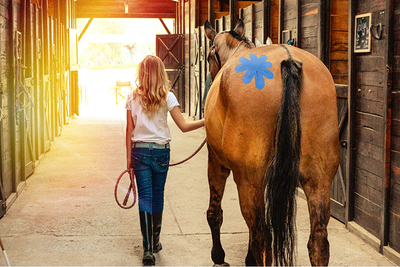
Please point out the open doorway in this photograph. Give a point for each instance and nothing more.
(109, 53)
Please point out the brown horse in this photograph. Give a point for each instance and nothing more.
(271, 119)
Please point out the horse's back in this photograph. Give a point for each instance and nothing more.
(244, 113)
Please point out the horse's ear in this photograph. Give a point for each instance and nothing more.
(210, 33)
(239, 27)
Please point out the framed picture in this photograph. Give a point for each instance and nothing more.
(286, 36)
(362, 35)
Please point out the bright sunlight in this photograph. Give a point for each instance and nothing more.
(109, 52)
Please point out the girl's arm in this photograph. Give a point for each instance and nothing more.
(185, 126)
(129, 129)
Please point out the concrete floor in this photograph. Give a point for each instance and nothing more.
(67, 215)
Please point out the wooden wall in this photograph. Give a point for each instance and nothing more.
(339, 22)
(35, 86)
(370, 127)
(309, 29)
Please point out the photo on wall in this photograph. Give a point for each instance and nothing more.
(362, 43)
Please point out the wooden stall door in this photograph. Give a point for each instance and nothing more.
(338, 191)
(27, 112)
(169, 47)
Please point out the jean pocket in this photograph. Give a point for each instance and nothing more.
(162, 163)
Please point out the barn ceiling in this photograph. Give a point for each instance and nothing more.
(126, 8)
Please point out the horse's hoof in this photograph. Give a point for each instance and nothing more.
(223, 264)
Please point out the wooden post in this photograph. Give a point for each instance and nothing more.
(11, 98)
(384, 231)
(280, 24)
(233, 13)
(349, 213)
(266, 20)
(298, 38)
(211, 16)
(324, 31)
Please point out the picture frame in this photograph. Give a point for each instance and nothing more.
(286, 36)
(362, 35)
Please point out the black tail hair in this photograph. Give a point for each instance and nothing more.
(283, 173)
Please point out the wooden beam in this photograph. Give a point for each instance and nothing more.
(137, 9)
(165, 26)
(129, 15)
(85, 29)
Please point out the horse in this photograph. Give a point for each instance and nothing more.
(275, 132)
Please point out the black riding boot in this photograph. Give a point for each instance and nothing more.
(146, 225)
(157, 220)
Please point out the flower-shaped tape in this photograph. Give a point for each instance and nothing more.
(255, 67)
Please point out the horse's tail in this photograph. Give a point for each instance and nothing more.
(283, 173)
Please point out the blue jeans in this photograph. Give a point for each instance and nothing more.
(151, 168)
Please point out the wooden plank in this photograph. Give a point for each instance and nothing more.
(369, 164)
(370, 64)
(394, 240)
(369, 121)
(370, 193)
(337, 210)
(395, 143)
(395, 199)
(339, 38)
(370, 223)
(370, 93)
(370, 78)
(338, 67)
(368, 207)
(309, 42)
(339, 23)
(369, 135)
(370, 106)
(342, 91)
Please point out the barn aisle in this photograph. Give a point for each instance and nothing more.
(67, 214)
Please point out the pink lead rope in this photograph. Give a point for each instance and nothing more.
(132, 188)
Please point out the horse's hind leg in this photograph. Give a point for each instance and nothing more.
(251, 199)
(318, 199)
(217, 175)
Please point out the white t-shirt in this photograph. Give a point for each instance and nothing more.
(154, 127)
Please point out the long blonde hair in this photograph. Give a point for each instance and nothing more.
(152, 83)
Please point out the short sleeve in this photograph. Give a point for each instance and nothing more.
(172, 101)
(128, 102)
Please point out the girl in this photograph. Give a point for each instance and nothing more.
(147, 145)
